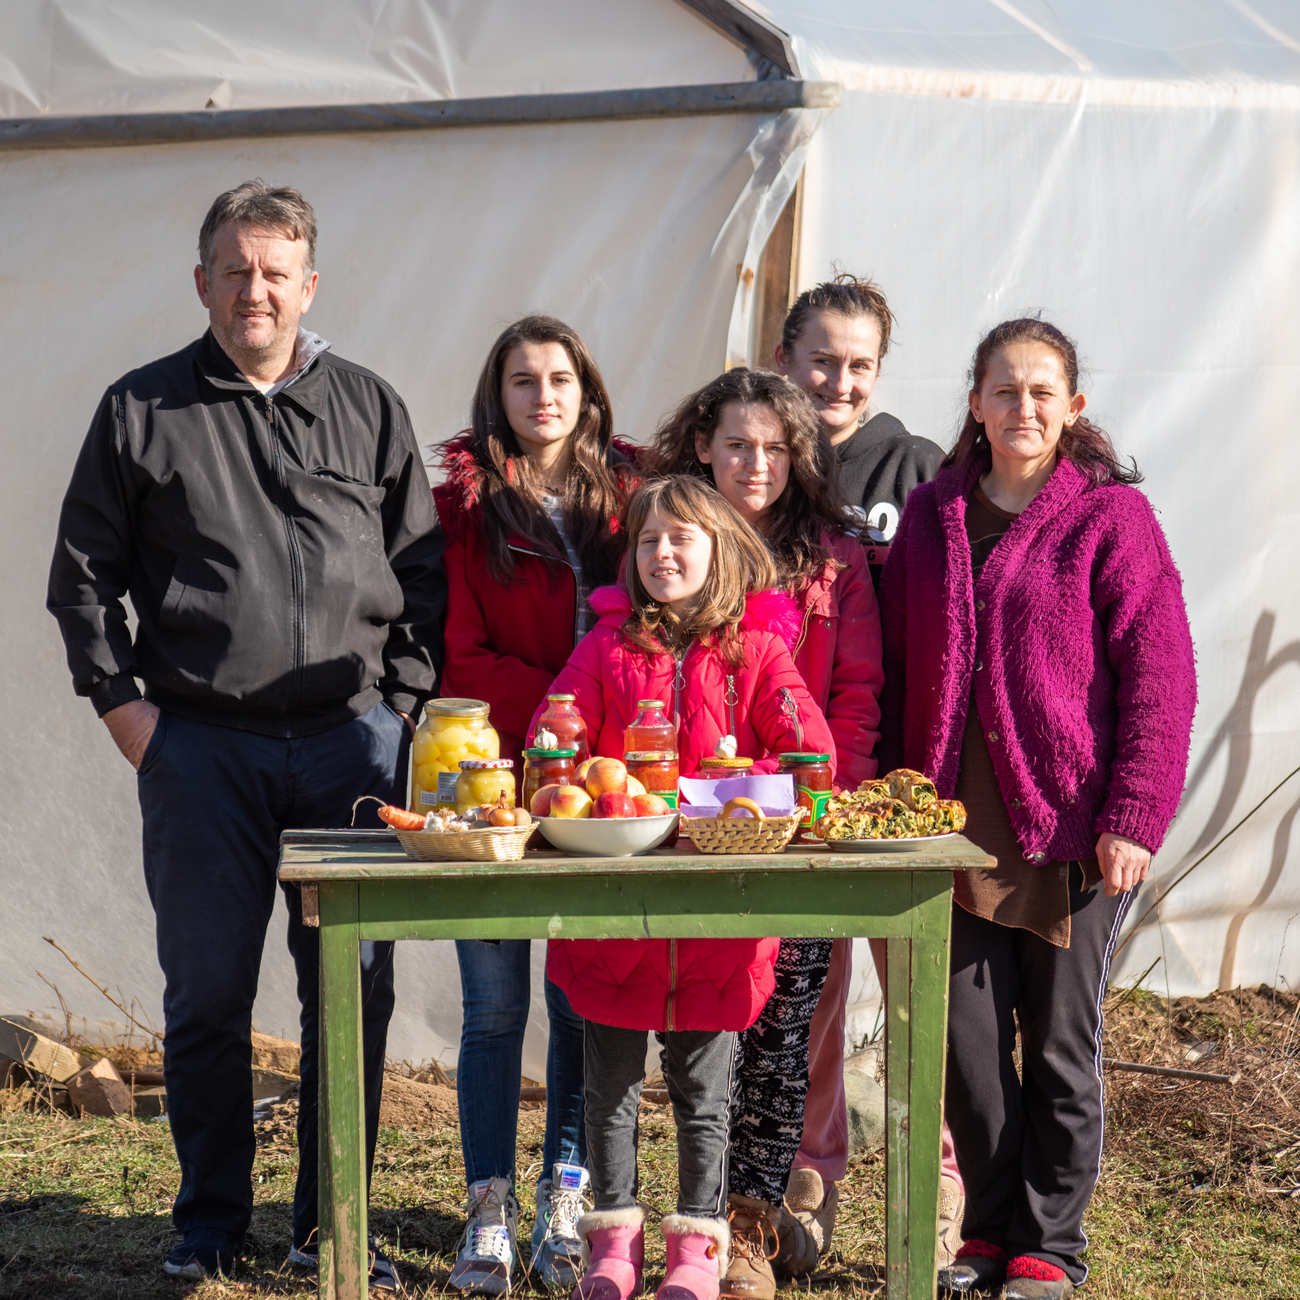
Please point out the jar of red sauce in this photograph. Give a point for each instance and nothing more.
(546, 767)
(656, 770)
(562, 719)
(650, 729)
(812, 783)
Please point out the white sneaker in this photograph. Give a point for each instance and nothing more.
(485, 1262)
(556, 1261)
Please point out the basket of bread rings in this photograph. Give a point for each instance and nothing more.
(729, 811)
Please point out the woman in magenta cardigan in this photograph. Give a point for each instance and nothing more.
(1038, 665)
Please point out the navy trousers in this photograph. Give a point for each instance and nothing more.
(214, 801)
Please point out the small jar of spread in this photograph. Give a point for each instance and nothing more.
(656, 770)
(485, 781)
(812, 783)
(715, 768)
(546, 767)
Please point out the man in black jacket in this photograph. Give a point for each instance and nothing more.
(263, 504)
(832, 343)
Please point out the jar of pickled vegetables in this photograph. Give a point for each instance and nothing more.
(449, 732)
(656, 770)
(546, 767)
(812, 783)
(485, 781)
(562, 719)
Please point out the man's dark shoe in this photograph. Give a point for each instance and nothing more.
(979, 1269)
(383, 1272)
(200, 1255)
(1031, 1278)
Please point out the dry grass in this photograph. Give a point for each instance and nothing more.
(1199, 1196)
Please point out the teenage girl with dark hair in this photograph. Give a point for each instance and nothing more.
(756, 438)
(529, 507)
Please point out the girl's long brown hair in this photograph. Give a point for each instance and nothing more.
(1083, 442)
(811, 502)
(511, 495)
(740, 564)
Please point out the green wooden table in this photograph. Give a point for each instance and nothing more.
(360, 885)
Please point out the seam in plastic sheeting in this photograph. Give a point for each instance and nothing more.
(1033, 88)
(777, 153)
(1080, 60)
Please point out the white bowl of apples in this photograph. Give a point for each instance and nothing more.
(604, 814)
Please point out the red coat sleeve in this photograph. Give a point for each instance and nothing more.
(784, 716)
(857, 671)
(474, 667)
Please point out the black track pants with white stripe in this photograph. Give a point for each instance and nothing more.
(1029, 1148)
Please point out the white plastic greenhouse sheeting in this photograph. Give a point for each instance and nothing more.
(1132, 171)
(430, 243)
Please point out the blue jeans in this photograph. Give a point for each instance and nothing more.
(495, 991)
(214, 801)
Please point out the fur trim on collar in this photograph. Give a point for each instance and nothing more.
(767, 611)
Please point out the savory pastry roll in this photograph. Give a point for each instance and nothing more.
(914, 788)
(944, 816)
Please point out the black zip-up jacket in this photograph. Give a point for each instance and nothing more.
(279, 552)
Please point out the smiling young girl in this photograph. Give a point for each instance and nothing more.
(688, 628)
(529, 509)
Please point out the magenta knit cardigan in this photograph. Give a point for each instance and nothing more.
(1076, 640)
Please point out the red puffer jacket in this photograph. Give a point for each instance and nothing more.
(839, 654)
(704, 984)
(504, 642)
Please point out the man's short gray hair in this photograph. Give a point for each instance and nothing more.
(255, 203)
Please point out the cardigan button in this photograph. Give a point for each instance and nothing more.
(1015, 803)
(1035, 857)
(993, 737)
(979, 665)
(979, 604)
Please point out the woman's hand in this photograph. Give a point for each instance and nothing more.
(1124, 863)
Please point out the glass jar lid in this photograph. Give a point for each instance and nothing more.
(562, 699)
(486, 764)
(550, 753)
(454, 708)
(649, 704)
(805, 758)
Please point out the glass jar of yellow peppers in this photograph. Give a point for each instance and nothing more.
(450, 732)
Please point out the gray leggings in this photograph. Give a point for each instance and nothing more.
(698, 1073)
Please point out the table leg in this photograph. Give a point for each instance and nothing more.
(931, 921)
(898, 1074)
(344, 1254)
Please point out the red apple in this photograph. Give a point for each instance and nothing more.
(614, 803)
(650, 805)
(606, 776)
(570, 801)
(540, 804)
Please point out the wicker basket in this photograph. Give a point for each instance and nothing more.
(740, 834)
(492, 844)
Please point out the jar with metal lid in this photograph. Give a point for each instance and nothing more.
(562, 719)
(485, 781)
(450, 731)
(652, 728)
(656, 770)
(546, 767)
(714, 768)
(812, 783)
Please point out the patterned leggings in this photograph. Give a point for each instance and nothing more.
(771, 1078)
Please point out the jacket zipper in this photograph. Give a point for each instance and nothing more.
(803, 630)
(297, 580)
(670, 1006)
(791, 711)
(546, 555)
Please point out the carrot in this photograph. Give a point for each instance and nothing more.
(400, 819)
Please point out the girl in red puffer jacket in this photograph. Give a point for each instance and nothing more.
(689, 629)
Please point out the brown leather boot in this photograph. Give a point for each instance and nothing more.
(754, 1244)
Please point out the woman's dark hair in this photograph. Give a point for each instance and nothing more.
(511, 495)
(845, 294)
(1083, 442)
(811, 501)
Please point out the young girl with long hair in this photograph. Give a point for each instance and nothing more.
(690, 627)
(529, 509)
(756, 437)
